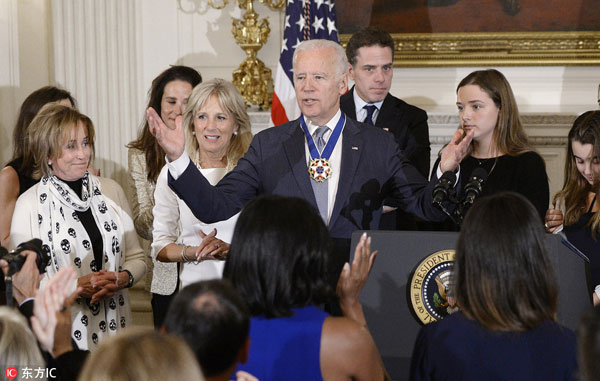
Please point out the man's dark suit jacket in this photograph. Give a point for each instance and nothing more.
(409, 126)
(407, 123)
(276, 164)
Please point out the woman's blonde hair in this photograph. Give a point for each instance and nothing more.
(574, 194)
(230, 101)
(18, 346)
(141, 354)
(47, 133)
(509, 136)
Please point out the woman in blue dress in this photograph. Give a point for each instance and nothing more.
(278, 263)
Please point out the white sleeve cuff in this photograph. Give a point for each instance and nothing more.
(178, 166)
(597, 291)
(439, 174)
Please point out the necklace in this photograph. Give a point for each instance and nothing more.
(481, 163)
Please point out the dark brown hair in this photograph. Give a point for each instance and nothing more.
(145, 142)
(368, 37)
(29, 109)
(585, 130)
(503, 277)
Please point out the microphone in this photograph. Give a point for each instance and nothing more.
(443, 187)
(474, 186)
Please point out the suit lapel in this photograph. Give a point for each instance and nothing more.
(347, 104)
(294, 151)
(351, 151)
(386, 114)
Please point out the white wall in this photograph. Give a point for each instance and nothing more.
(24, 60)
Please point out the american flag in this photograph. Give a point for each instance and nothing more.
(304, 20)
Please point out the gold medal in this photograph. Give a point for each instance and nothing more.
(319, 169)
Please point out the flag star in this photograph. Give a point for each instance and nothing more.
(284, 47)
(297, 43)
(290, 2)
(319, 3)
(318, 24)
(287, 21)
(331, 26)
(301, 23)
(329, 3)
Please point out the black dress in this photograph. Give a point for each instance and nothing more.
(524, 174)
(580, 235)
(25, 181)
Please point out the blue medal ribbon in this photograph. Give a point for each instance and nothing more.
(328, 150)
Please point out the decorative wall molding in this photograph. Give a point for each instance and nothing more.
(95, 57)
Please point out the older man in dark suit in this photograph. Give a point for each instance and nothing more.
(346, 180)
(370, 53)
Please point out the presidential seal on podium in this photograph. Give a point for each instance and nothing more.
(430, 287)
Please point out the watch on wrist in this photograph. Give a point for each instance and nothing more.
(130, 279)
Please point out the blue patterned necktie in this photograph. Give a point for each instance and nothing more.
(320, 189)
(370, 111)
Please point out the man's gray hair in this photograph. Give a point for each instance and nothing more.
(342, 60)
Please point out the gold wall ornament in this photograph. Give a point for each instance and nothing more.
(252, 78)
(494, 49)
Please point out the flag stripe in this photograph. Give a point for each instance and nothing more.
(317, 20)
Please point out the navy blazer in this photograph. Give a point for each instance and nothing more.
(406, 122)
(276, 164)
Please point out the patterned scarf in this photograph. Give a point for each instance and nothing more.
(67, 242)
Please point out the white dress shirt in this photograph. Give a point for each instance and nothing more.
(361, 113)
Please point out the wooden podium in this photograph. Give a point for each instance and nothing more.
(386, 300)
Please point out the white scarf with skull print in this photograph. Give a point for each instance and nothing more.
(68, 244)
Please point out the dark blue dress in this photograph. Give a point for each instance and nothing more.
(580, 235)
(457, 348)
(286, 348)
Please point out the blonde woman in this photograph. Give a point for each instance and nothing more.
(218, 134)
(83, 221)
(142, 354)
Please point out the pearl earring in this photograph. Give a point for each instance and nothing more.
(235, 133)
(49, 163)
(194, 133)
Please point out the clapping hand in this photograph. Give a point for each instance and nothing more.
(554, 218)
(51, 307)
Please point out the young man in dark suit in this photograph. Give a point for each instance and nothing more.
(355, 170)
(370, 53)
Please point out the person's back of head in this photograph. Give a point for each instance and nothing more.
(18, 346)
(279, 256)
(215, 322)
(503, 277)
(588, 335)
(141, 354)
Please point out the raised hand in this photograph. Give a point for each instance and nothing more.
(352, 279)
(456, 150)
(171, 141)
